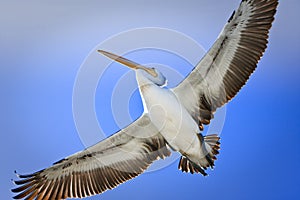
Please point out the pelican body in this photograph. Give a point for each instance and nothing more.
(177, 126)
(173, 119)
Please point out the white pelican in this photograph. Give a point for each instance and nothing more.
(173, 118)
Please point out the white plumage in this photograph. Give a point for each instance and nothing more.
(172, 118)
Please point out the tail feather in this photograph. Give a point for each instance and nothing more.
(186, 165)
(213, 142)
(210, 146)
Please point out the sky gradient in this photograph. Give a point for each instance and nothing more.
(43, 47)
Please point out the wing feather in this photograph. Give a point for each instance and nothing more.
(103, 166)
(227, 66)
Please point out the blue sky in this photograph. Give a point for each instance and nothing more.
(43, 46)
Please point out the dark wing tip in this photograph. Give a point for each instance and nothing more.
(231, 17)
(26, 185)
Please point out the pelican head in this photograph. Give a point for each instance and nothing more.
(152, 74)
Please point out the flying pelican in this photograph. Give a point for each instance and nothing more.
(173, 119)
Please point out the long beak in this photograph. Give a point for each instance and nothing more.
(126, 62)
(121, 60)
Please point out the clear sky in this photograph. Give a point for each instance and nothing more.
(44, 44)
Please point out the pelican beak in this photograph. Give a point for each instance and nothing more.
(128, 63)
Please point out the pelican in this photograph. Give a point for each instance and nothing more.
(173, 119)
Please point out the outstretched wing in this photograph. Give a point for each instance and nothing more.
(103, 166)
(226, 67)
